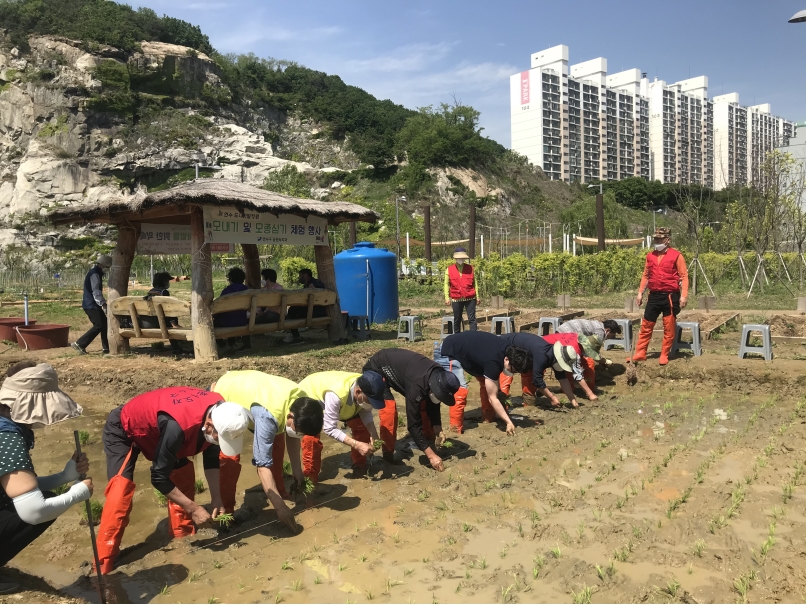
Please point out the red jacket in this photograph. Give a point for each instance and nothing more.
(568, 339)
(187, 405)
(461, 284)
(663, 277)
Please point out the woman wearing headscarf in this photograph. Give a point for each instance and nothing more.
(30, 399)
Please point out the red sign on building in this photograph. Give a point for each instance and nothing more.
(524, 87)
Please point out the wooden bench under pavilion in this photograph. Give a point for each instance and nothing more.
(185, 205)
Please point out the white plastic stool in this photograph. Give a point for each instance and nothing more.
(694, 345)
(502, 325)
(359, 327)
(413, 327)
(766, 341)
(447, 321)
(626, 336)
(545, 322)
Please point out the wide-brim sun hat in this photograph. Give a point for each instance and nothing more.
(34, 397)
(565, 356)
(460, 253)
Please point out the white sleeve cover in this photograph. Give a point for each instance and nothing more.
(34, 508)
(68, 475)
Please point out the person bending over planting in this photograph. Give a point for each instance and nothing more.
(561, 355)
(350, 398)
(167, 426)
(425, 384)
(281, 415)
(485, 356)
(30, 398)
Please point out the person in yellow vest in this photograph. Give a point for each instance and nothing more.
(347, 397)
(282, 415)
(460, 289)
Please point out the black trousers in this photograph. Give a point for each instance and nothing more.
(98, 319)
(117, 446)
(298, 312)
(458, 307)
(658, 303)
(16, 534)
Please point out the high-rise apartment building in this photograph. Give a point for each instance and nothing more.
(580, 124)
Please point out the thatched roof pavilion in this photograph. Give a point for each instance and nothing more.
(184, 205)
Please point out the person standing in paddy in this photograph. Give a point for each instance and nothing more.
(666, 276)
(460, 289)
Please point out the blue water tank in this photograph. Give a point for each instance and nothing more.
(366, 278)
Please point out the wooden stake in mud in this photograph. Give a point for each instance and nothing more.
(92, 530)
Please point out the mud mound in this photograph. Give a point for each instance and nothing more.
(787, 325)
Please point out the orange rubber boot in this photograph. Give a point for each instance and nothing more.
(487, 411)
(669, 329)
(644, 336)
(527, 386)
(428, 429)
(359, 433)
(181, 523)
(114, 519)
(311, 457)
(229, 469)
(277, 457)
(388, 421)
(457, 413)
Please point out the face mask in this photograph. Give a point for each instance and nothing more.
(507, 372)
(660, 247)
(365, 406)
(292, 433)
(460, 263)
(210, 439)
(262, 283)
(434, 398)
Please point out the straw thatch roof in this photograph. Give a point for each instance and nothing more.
(209, 192)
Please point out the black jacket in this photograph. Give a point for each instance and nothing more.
(407, 373)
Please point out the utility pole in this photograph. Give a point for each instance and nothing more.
(600, 227)
(472, 230)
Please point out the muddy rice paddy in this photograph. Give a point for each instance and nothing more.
(686, 487)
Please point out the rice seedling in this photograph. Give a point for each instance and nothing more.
(423, 495)
(481, 563)
(672, 587)
(390, 584)
(396, 538)
(407, 571)
(466, 527)
(317, 580)
(581, 529)
(165, 591)
(342, 566)
(699, 547)
(225, 520)
(194, 577)
(556, 552)
(162, 500)
(218, 564)
(362, 558)
(597, 515)
(199, 486)
(84, 437)
(287, 565)
(211, 600)
(96, 509)
(296, 585)
(583, 596)
(787, 491)
(448, 444)
(742, 585)
(278, 598)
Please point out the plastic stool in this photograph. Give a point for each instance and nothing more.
(359, 327)
(502, 325)
(447, 321)
(766, 347)
(413, 327)
(694, 345)
(626, 336)
(545, 322)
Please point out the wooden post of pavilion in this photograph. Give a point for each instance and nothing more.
(122, 257)
(251, 265)
(327, 275)
(201, 298)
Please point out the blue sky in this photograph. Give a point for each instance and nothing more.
(423, 53)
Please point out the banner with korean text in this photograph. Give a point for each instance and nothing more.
(171, 239)
(224, 224)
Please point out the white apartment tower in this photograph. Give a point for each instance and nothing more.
(580, 124)
(581, 127)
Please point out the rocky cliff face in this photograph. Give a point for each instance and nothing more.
(63, 141)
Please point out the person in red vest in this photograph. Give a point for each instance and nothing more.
(460, 290)
(166, 426)
(666, 276)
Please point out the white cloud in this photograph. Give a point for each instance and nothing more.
(414, 57)
(245, 39)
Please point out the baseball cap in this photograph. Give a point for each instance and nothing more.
(662, 232)
(373, 386)
(565, 356)
(443, 385)
(230, 420)
(591, 345)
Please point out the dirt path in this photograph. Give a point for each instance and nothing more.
(671, 488)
